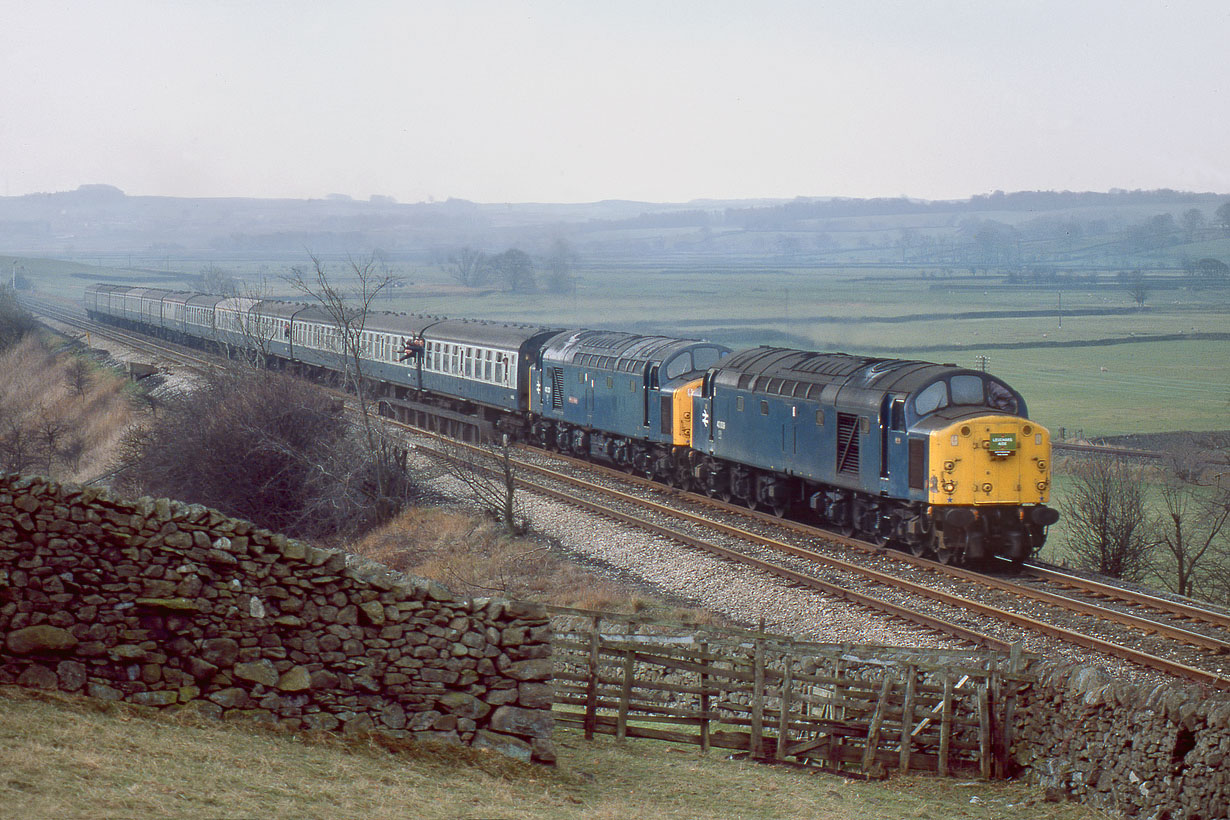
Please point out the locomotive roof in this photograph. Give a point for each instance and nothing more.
(621, 348)
(805, 373)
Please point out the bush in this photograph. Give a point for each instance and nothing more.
(261, 446)
(15, 322)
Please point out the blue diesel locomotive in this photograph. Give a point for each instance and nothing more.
(936, 459)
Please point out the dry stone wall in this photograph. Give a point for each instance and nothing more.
(1159, 754)
(169, 605)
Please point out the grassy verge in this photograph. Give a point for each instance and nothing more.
(471, 555)
(54, 422)
(68, 758)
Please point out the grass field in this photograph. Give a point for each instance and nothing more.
(68, 758)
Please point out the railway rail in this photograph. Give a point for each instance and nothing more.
(1211, 621)
(964, 603)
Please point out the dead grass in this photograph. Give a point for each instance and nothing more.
(472, 555)
(69, 758)
(34, 387)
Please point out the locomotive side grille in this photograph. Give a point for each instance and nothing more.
(847, 443)
(918, 464)
(557, 388)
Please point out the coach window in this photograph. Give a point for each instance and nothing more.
(487, 365)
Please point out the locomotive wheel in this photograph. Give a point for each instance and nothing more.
(945, 555)
(779, 510)
(681, 478)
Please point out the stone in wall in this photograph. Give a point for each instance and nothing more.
(1150, 753)
(175, 606)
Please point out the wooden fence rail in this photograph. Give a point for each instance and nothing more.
(861, 708)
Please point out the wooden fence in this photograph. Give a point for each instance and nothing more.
(840, 706)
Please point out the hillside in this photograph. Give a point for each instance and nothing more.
(60, 414)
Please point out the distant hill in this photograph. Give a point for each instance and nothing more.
(1002, 229)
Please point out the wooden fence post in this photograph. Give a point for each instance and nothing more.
(757, 696)
(1015, 664)
(907, 720)
(704, 700)
(945, 726)
(625, 695)
(997, 725)
(783, 721)
(837, 712)
(873, 729)
(591, 691)
(984, 732)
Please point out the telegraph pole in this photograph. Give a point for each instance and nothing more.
(982, 362)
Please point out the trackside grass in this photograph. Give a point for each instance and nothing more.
(69, 758)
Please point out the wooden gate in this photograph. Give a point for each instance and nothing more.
(840, 706)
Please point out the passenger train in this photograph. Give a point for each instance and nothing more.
(936, 459)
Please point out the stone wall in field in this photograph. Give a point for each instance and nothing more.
(1160, 753)
(163, 604)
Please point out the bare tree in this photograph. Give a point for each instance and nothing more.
(493, 487)
(350, 312)
(78, 375)
(1193, 221)
(469, 267)
(1193, 528)
(15, 321)
(515, 268)
(49, 428)
(257, 335)
(72, 451)
(214, 280)
(1138, 289)
(17, 447)
(560, 264)
(1106, 514)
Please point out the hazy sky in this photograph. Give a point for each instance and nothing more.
(585, 100)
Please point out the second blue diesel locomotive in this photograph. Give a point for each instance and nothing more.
(937, 459)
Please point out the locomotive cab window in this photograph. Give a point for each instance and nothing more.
(1000, 397)
(931, 399)
(967, 390)
(679, 365)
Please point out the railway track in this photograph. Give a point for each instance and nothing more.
(617, 500)
(999, 600)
